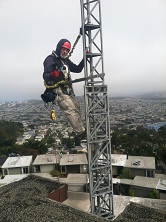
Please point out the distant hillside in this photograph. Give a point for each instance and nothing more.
(156, 95)
(151, 96)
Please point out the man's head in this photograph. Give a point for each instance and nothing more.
(63, 48)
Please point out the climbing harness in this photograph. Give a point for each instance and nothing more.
(55, 85)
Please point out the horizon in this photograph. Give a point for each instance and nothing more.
(158, 93)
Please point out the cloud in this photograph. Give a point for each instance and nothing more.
(134, 41)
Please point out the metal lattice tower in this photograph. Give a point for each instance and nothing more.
(97, 112)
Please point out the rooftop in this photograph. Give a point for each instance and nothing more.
(147, 182)
(25, 204)
(158, 125)
(12, 178)
(141, 162)
(161, 185)
(73, 159)
(18, 161)
(46, 159)
(118, 159)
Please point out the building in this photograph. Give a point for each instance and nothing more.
(76, 182)
(2, 160)
(45, 163)
(156, 126)
(118, 162)
(17, 165)
(142, 186)
(12, 178)
(138, 165)
(73, 163)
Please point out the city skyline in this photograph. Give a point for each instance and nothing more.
(134, 44)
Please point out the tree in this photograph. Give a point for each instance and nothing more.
(141, 142)
(153, 194)
(126, 173)
(162, 154)
(50, 140)
(9, 131)
(161, 137)
(131, 192)
(40, 146)
(68, 142)
(77, 141)
(28, 151)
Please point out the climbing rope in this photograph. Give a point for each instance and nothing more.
(74, 45)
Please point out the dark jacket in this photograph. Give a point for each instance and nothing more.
(54, 62)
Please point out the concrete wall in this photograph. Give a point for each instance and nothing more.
(83, 168)
(137, 172)
(114, 170)
(141, 191)
(47, 168)
(76, 188)
(140, 172)
(13, 171)
(162, 195)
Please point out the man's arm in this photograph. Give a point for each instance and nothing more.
(76, 68)
(48, 68)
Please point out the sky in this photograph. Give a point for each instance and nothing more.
(134, 44)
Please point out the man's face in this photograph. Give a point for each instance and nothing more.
(64, 53)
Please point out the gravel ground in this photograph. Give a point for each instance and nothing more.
(26, 200)
(139, 213)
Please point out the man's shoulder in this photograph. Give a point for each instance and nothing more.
(51, 58)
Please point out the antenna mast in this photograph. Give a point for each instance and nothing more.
(97, 112)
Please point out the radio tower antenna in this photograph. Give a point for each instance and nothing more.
(96, 112)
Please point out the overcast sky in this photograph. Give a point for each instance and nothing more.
(134, 40)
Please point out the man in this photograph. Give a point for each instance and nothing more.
(57, 67)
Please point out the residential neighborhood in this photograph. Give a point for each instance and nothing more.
(74, 167)
(132, 175)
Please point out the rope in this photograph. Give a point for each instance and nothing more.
(55, 85)
(74, 45)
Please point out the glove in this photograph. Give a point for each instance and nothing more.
(87, 50)
(54, 74)
(57, 75)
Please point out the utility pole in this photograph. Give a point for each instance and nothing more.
(97, 112)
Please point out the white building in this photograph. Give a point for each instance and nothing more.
(17, 165)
